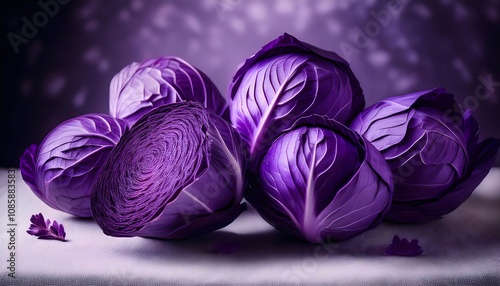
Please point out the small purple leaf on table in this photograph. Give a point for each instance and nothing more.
(43, 230)
(403, 247)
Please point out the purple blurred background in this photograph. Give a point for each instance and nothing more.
(64, 68)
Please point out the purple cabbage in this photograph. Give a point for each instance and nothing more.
(138, 88)
(432, 149)
(177, 173)
(285, 80)
(322, 181)
(62, 170)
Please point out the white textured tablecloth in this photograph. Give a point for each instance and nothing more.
(462, 248)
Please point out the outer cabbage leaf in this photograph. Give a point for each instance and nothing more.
(138, 88)
(321, 181)
(288, 79)
(177, 173)
(62, 170)
(432, 149)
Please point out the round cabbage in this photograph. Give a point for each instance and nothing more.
(288, 79)
(138, 88)
(62, 170)
(321, 181)
(432, 149)
(177, 173)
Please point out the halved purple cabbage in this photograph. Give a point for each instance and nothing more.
(138, 88)
(62, 170)
(177, 173)
(432, 149)
(285, 80)
(322, 181)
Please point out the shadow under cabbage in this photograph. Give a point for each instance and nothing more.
(472, 229)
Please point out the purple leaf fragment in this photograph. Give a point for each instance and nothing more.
(43, 230)
(403, 247)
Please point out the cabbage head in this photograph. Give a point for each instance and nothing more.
(63, 168)
(177, 173)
